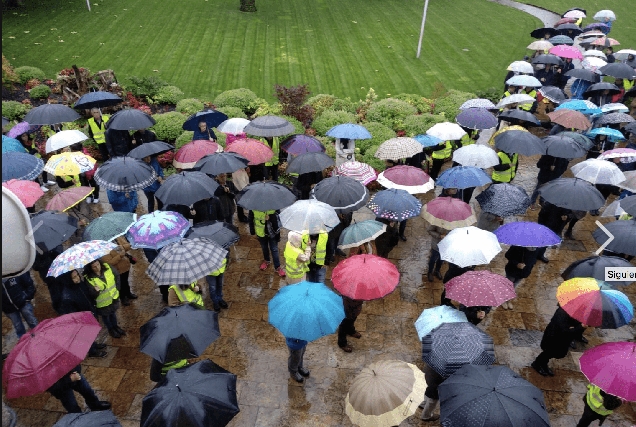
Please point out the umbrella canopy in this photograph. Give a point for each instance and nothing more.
(601, 88)
(309, 216)
(212, 118)
(50, 114)
(342, 193)
(593, 302)
(596, 53)
(561, 40)
(306, 311)
(63, 139)
(541, 33)
(598, 172)
(79, 255)
(476, 155)
(571, 30)
(480, 288)
(428, 140)
(580, 139)
(628, 204)
(19, 129)
(21, 166)
(565, 51)
(612, 367)
(385, 393)
(563, 146)
(520, 142)
(188, 155)
(595, 266)
(614, 107)
(265, 196)
(570, 119)
(130, 119)
(572, 193)
(463, 177)
(585, 107)
(624, 233)
(150, 149)
(540, 45)
(468, 246)
(98, 99)
(583, 74)
(523, 80)
(504, 200)
(613, 134)
(157, 229)
(48, 352)
(526, 234)
(517, 98)
(446, 131)
(601, 41)
(51, 229)
(309, 162)
(448, 213)
(200, 395)
(186, 188)
(476, 118)
(574, 13)
(218, 163)
(398, 148)
(623, 54)
(11, 145)
(365, 277)
(452, 345)
(185, 261)
(395, 205)
(109, 226)
(593, 63)
(251, 149)
(613, 118)
(300, 144)
(269, 126)
(548, 59)
(361, 172)
(493, 395)
(432, 318)
(89, 419)
(630, 182)
(363, 214)
(28, 192)
(177, 333)
(487, 103)
(619, 70)
(66, 199)
(349, 131)
(125, 174)
(70, 163)
(408, 178)
(519, 117)
(359, 233)
(233, 126)
(553, 93)
(220, 232)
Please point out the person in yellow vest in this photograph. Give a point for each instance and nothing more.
(215, 286)
(445, 151)
(506, 170)
(104, 287)
(297, 257)
(529, 107)
(97, 131)
(598, 406)
(318, 244)
(159, 370)
(270, 170)
(266, 227)
(185, 294)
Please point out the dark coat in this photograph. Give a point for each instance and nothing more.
(559, 333)
(520, 255)
(118, 142)
(386, 241)
(208, 210)
(16, 291)
(75, 297)
(65, 382)
(454, 271)
(226, 199)
(471, 313)
(42, 264)
(545, 165)
(143, 136)
(551, 216)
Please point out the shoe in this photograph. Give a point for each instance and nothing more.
(95, 200)
(304, 372)
(544, 259)
(217, 307)
(583, 340)
(505, 305)
(49, 182)
(120, 330)
(403, 238)
(438, 275)
(125, 301)
(568, 235)
(296, 376)
(223, 304)
(430, 277)
(44, 189)
(98, 353)
(541, 370)
(281, 271)
(264, 265)
(347, 348)
(573, 345)
(550, 371)
(102, 405)
(113, 333)
(428, 407)
(510, 306)
(89, 200)
(357, 335)
(132, 296)
(100, 346)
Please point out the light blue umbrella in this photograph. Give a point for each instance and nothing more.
(523, 80)
(612, 134)
(463, 177)
(349, 131)
(109, 226)
(359, 233)
(428, 140)
(585, 107)
(12, 145)
(306, 311)
(431, 318)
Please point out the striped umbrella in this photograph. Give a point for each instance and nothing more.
(361, 172)
(408, 178)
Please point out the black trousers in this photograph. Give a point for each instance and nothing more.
(436, 167)
(103, 150)
(347, 327)
(589, 415)
(124, 289)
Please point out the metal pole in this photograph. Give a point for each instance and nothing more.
(419, 44)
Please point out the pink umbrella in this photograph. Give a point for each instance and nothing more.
(365, 277)
(627, 155)
(253, 150)
(361, 172)
(480, 288)
(411, 179)
(612, 367)
(188, 155)
(18, 130)
(66, 199)
(27, 191)
(448, 213)
(565, 51)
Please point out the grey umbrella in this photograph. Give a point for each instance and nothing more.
(125, 174)
(129, 119)
(89, 419)
(269, 126)
(150, 149)
(613, 118)
(265, 196)
(50, 114)
(572, 193)
(624, 232)
(595, 266)
(309, 162)
(618, 70)
(563, 147)
(186, 188)
(519, 117)
(520, 142)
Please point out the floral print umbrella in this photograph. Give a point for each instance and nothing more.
(80, 255)
(158, 229)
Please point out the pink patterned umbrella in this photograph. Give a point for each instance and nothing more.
(612, 367)
(411, 179)
(361, 172)
(18, 130)
(253, 150)
(66, 199)
(448, 213)
(565, 51)
(627, 155)
(27, 191)
(188, 155)
(480, 288)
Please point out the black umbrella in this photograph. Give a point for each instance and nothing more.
(265, 196)
(553, 93)
(504, 200)
(150, 149)
(519, 117)
(561, 39)
(583, 74)
(50, 114)
(563, 146)
(219, 232)
(618, 70)
(613, 118)
(580, 139)
(595, 266)
(99, 99)
(572, 193)
(179, 333)
(309, 162)
(521, 142)
(631, 127)
(51, 229)
(89, 419)
(212, 118)
(600, 88)
(186, 188)
(624, 232)
(540, 33)
(547, 58)
(452, 345)
(628, 204)
(130, 119)
(269, 126)
(218, 163)
(571, 30)
(199, 395)
(344, 194)
(491, 396)
(125, 174)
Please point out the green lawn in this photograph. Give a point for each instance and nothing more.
(340, 47)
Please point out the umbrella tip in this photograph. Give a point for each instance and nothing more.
(178, 388)
(373, 372)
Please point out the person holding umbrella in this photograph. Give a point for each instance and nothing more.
(439, 157)
(434, 260)
(506, 170)
(185, 294)
(141, 136)
(104, 281)
(295, 360)
(74, 381)
(598, 406)
(453, 271)
(317, 270)
(122, 201)
(203, 132)
(121, 260)
(352, 309)
(152, 189)
(118, 142)
(549, 168)
(17, 293)
(296, 258)
(555, 218)
(270, 169)
(475, 314)
(266, 227)
(521, 261)
(215, 286)
(97, 130)
(226, 193)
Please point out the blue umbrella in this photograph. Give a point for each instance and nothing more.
(428, 140)
(306, 311)
(561, 39)
(585, 107)
(359, 233)
(99, 99)
(20, 166)
(476, 118)
(597, 26)
(612, 134)
(109, 226)
(431, 318)
(212, 118)
(463, 177)
(526, 234)
(10, 145)
(395, 205)
(349, 131)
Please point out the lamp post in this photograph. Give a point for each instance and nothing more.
(419, 44)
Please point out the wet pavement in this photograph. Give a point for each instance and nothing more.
(257, 354)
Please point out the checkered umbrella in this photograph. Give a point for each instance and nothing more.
(186, 261)
(398, 148)
(453, 345)
(125, 174)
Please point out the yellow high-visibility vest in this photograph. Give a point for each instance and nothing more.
(108, 289)
(275, 149)
(320, 254)
(444, 153)
(293, 268)
(595, 400)
(259, 222)
(69, 178)
(509, 174)
(99, 131)
(221, 270)
(173, 365)
(188, 295)
(528, 107)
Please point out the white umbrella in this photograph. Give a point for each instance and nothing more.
(614, 209)
(309, 216)
(63, 139)
(593, 63)
(446, 131)
(575, 14)
(398, 148)
(477, 103)
(363, 214)
(233, 126)
(602, 15)
(468, 246)
(630, 182)
(523, 80)
(517, 98)
(622, 54)
(595, 53)
(540, 45)
(614, 107)
(479, 156)
(521, 67)
(598, 172)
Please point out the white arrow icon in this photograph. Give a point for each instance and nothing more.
(608, 241)
(31, 238)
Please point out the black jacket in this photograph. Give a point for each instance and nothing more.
(141, 137)
(65, 382)
(226, 200)
(75, 297)
(550, 216)
(208, 210)
(118, 142)
(520, 255)
(16, 291)
(559, 333)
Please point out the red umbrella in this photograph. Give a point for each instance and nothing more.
(188, 155)
(448, 213)
(66, 199)
(479, 288)
(27, 191)
(365, 277)
(253, 150)
(570, 119)
(564, 21)
(612, 367)
(48, 352)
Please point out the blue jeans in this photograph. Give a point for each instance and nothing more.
(25, 313)
(270, 244)
(317, 275)
(215, 286)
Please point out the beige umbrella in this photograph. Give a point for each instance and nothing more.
(540, 45)
(385, 394)
(398, 148)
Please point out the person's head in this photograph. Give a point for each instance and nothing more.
(295, 239)
(449, 191)
(610, 401)
(94, 269)
(97, 115)
(76, 277)
(25, 139)
(147, 159)
(618, 82)
(630, 57)
(203, 126)
(76, 147)
(609, 50)
(222, 178)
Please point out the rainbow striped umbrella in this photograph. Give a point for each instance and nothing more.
(594, 303)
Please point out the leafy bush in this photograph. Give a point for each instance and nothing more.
(321, 102)
(449, 104)
(422, 104)
(366, 104)
(419, 124)
(379, 133)
(390, 112)
(169, 126)
(27, 73)
(344, 105)
(168, 95)
(14, 110)
(40, 92)
(183, 139)
(491, 93)
(233, 112)
(371, 160)
(242, 98)
(9, 75)
(147, 87)
(189, 106)
(220, 138)
(330, 118)
(265, 109)
(292, 99)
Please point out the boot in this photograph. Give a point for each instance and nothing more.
(429, 408)
(430, 278)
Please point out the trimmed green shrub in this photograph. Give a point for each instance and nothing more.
(390, 112)
(183, 139)
(344, 105)
(242, 98)
(189, 106)
(233, 112)
(371, 160)
(449, 104)
(330, 118)
(321, 102)
(422, 104)
(220, 138)
(14, 110)
(168, 95)
(27, 73)
(147, 87)
(40, 92)
(330, 149)
(169, 126)
(419, 124)
(264, 109)
(379, 132)
(492, 93)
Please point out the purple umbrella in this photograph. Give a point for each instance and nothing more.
(526, 234)
(476, 118)
(18, 130)
(301, 144)
(157, 229)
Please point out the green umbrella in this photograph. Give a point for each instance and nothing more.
(109, 226)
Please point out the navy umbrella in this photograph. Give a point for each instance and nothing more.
(20, 166)
(130, 119)
(504, 200)
(218, 163)
(463, 177)
(199, 395)
(490, 396)
(628, 204)
(344, 194)
(624, 232)
(540, 33)
(89, 419)
(220, 232)
(125, 174)
(50, 114)
(212, 118)
(572, 193)
(150, 149)
(394, 205)
(519, 117)
(583, 74)
(563, 146)
(349, 131)
(51, 229)
(520, 142)
(265, 196)
(595, 266)
(476, 118)
(99, 99)
(309, 162)
(186, 188)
